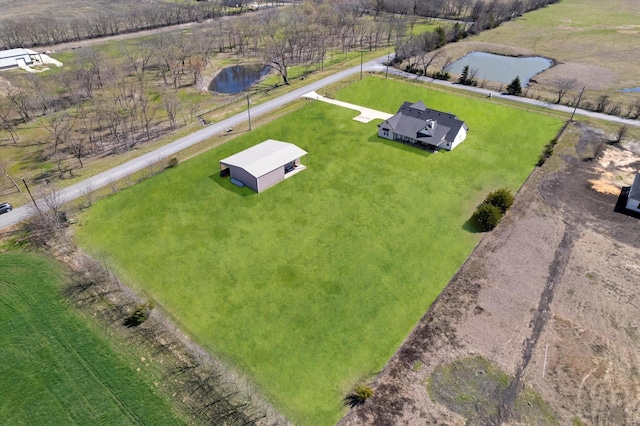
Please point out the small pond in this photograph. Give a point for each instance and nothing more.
(630, 90)
(238, 78)
(501, 69)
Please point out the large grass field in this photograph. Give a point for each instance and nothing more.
(54, 368)
(311, 285)
(591, 40)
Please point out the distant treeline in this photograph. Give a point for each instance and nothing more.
(43, 31)
(473, 17)
(484, 14)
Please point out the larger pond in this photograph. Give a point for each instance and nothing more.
(501, 69)
(238, 78)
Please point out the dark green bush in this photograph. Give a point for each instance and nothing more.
(501, 198)
(359, 395)
(515, 87)
(173, 162)
(140, 314)
(547, 152)
(487, 216)
(541, 160)
(441, 75)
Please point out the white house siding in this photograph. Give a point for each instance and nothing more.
(270, 179)
(385, 133)
(460, 137)
(244, 177)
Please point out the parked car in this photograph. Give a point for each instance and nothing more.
(5, 208)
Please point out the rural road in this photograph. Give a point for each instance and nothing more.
(98, 181)
(78, 190)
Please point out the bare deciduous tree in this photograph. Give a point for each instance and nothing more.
(277, 53)
(622, 133)
(602, 103)
(88, 192)
(634, 111)
(172, 107)
(6, 121)
(562, 85)
(58, 125)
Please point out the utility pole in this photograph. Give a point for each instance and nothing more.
(577, 103)
(249, 110)
(13, 182)
(32, 199)
(386, 71)
(361, 55)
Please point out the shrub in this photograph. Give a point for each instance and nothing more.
(441, 75)
(140, 314)
(359, 395)
(541, 160)
(547, 152)
(487, 216)
(467, 77)
(173, 162)
(501, 198)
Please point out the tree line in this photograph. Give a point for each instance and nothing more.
(97, 105)
(43, 31)
(475, 17)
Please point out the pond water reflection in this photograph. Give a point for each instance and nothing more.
(238, 78)
(501, 69)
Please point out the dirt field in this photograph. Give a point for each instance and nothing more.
(67, 8)
(558, 279)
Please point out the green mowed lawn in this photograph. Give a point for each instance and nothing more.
(54, 369)
(311, 285)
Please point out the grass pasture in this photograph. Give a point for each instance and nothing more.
(310, 286)
(56, 369)
(592, 41)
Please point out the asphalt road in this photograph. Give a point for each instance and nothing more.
(78, 190)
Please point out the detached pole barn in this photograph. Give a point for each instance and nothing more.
(263, 165)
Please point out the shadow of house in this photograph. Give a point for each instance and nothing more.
(415, 124)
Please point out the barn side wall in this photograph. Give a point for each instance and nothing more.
(244, 177)
(270, 179)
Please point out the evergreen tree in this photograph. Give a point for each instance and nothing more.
(515, 88)
(464, 75)
(467, 76)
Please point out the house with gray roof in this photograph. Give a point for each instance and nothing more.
(633, 201)
(12, 58)
(263, 165)
(416, 124)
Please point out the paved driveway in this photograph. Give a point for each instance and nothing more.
(366, 114)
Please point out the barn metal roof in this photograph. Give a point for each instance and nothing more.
(265, 157)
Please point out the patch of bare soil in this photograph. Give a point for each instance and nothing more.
(550, 297)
